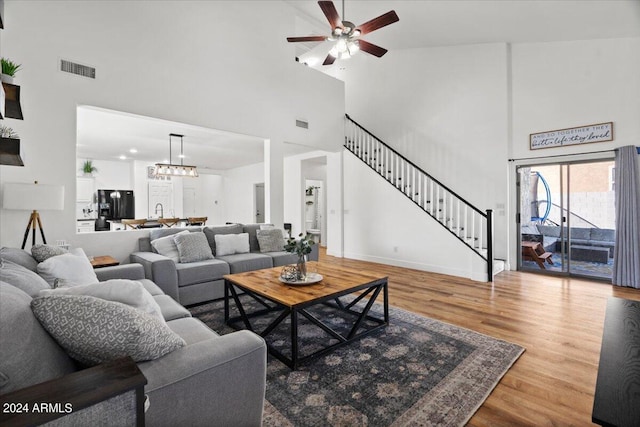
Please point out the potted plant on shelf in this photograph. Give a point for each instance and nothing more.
(300, 247)
(9, 70)
(88, 168)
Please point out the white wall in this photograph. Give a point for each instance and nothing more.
(180, 61)
(462, 112)
(569, 84)
(211, 198)
(445, 109)
(239, 193)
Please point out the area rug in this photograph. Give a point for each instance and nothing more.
(415, 372)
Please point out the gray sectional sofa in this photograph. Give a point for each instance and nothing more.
(196, 282)
(212, 380)
(596, 237)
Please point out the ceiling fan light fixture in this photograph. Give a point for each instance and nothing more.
(337, 31)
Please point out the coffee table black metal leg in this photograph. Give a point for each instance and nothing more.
(294, 339)
(386, 302)
(226, 300)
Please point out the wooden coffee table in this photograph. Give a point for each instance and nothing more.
(265, 287)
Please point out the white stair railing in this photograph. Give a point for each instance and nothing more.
(466, 222)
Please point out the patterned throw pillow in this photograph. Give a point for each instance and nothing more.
(95, 331)
(193, 247)
(270, 240)
(44, 252)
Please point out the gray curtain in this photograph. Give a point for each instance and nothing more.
(626, 262)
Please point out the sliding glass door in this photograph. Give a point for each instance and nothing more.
(567, 218)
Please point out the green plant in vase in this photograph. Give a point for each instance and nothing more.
(9, 69)
(302, 248)
(88, 168)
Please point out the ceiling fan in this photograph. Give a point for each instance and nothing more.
(347, 35)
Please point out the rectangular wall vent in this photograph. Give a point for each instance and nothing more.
(302, 124)
(79, 69)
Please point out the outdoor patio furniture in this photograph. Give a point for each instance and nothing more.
(533, 251)
(589, 253)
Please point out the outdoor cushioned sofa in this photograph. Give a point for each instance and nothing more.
(198, 281)
(207, 380)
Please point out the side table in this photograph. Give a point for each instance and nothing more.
(103, 261)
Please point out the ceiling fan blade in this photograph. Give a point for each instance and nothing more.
(306, 39)
(329, 60)
(379, 22)
(331, 13)
(371, 48)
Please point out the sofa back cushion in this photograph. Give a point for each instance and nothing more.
(271, 240)
(603, 235)
(28, 354)
(580, 233)
(19, 256)
(22, 278)
(212, 231)
(549, 230)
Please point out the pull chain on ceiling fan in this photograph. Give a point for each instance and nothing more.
(347, 35)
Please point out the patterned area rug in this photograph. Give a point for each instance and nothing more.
(416, 371)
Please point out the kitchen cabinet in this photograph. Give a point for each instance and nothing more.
(86, 225)
(84, 190)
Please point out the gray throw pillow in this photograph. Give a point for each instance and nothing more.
(95, 331)
(44, 252)
(270, 240)
(193, 247)
(22, 278)
(19, 256)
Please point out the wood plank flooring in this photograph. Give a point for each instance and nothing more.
(558, 320)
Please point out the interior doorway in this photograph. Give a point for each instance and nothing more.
(566, 215)
(258, 192)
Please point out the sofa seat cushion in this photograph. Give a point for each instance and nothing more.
(170, 309)
(239, 263)
(201, 271)
(95, 331)
(22, 278)
(191, 330)
(282, 258)
(20, 257)
(28, 354)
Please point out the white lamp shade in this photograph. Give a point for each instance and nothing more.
(38, 197)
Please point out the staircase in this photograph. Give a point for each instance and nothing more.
(466, 222)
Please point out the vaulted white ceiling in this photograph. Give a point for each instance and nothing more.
(423, 23)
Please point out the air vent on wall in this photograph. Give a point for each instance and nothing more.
(302, 124)
(79, 69)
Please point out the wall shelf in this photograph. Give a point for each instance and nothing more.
(12, 108)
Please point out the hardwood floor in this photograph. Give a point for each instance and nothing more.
(558, 320)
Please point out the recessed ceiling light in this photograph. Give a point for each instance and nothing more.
(133, 151)
(123, 157)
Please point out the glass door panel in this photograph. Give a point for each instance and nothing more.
(567, 218)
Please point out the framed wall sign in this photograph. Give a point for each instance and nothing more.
(599, 132)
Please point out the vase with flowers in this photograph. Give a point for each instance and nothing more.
(300, 247)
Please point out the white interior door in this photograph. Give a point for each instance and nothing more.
(160, 199)
(259, 202)
(189, 202)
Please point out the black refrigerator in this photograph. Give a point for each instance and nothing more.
(114, 205)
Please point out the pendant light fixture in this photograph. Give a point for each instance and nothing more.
(170, 169)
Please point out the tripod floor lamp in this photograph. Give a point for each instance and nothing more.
(33, 197)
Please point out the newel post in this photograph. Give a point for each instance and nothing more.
(489, 245)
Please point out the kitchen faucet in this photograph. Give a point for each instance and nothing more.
(161, 210)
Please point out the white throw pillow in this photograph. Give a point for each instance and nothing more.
(129, 292)
(229, 244)
(167, 246)
(72, 269)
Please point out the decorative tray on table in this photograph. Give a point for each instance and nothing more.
(310, 280)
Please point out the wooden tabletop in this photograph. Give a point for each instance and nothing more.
(336, 281)
(103, 261)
